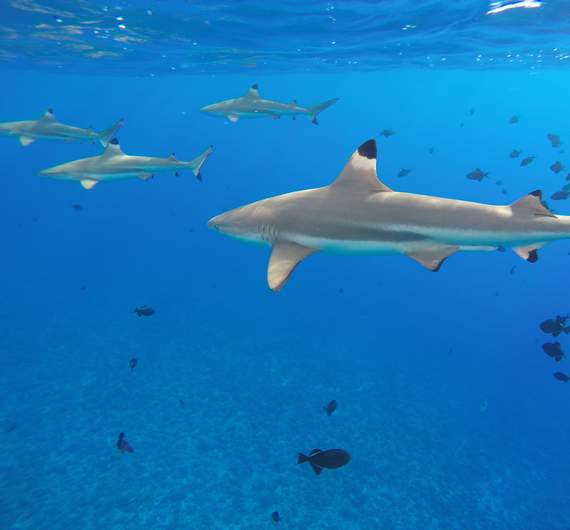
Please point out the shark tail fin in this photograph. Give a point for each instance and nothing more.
(108, 134)
(315, 110)
(198, 162)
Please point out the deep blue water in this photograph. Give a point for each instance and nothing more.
(447, 402)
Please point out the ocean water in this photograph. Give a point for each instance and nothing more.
(447, 403)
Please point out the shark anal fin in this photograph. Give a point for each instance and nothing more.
(233, 118)
(26, 140)
(529, 253)
(359, 174)
(531, 204)
(88, 183)
(285, 256)
(432, 259)
(145, 176)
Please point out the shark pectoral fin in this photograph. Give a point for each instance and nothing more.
(26, 140)
(360, 172)
(285, 256)
(233, 118)
(88, 183)
(145, 176)
(531, 204)
(432, 259)
(529, 253)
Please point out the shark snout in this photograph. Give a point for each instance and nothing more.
(216, 223)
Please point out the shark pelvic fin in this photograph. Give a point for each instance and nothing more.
(113, 149)
(145, 176)
(285, 256)
(26, 140)
(360, 172)
(529, 253)
(88, 183)
(531, 204)
(432, 259)
(233, 118)
(252, 92)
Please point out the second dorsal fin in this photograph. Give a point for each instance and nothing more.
(360, 171)
(252, 92)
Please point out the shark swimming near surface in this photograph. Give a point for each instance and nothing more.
(359, 214)
(47, 128)
(113, 164)
(251, 105)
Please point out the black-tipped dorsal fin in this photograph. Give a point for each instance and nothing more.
(48, 115)
(113, 148)
(252, 91)
(285, 256)
(532, 205)
(360, 171)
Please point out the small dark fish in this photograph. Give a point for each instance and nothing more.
(431, 150)
(461, 125)
(554, 140)
(133, 363)
(387, 133)
(555, 326)
(560, 195)
(526, 161)
(83, 288)
(553, 349)
(275, 517)
(557, 167)
(144, 311)
(404, 172)
(329, 459)
(331, 407)
(9, 427)
(182, 403)
(512, 271)
(499, 183)
(477, 175)
(123, 446)
(500, 248)
(514, 119)
(561, 376)
(472, 111)
(515, 153)
(504, 191)
(77, 207)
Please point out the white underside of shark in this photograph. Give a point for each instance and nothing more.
(113, 164)
(358, 214)
(47, 128)
(251, 105)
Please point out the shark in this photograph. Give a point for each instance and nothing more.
(113, 164)
(252, 105)
(47, 128)
(358, 214)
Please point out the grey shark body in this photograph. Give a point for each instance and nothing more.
(251, 105)
(47, 128)
(113, 165)
(358, 214)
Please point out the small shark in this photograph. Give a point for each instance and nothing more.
(251, 105)
(47, 128)
(358, 214)
(113, 164)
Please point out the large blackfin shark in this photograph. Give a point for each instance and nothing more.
(47, 128)
(358, 214)
(251, 105)
(113, 164)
